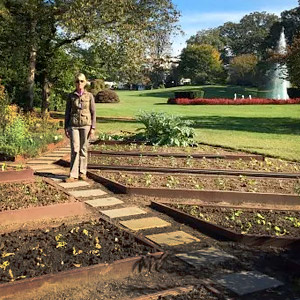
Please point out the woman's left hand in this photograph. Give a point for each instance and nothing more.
(91, 133)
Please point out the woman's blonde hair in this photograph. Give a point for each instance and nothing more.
(80, 76)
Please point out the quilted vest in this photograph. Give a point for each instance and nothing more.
(80, 109)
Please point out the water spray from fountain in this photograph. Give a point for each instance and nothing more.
(280, 84)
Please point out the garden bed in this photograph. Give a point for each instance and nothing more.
(36, 200)
(40, 192)
(71, 254)
(183, 186)
(127, 146)
(249, 226)
(177, 155)
(14, 174)
(190, 162)
(195, 182)
(201, 292)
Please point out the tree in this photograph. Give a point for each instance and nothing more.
(293, 62)
(54, 24)
(242, 69)
(248, 35)
(207, 36)
(201, 63)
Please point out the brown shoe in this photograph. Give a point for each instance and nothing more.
(82, 177)
(70, 179)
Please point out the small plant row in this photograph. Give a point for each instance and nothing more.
(225, 101)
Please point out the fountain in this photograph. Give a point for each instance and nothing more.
(280, 84)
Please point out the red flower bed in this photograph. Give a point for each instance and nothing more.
(221, 101)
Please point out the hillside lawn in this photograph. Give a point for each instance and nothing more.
(272, 130)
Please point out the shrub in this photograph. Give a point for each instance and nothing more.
(189, 94)
(163, 129)
(219, 101)
(107, 96)
(294, 93)
(97, 85)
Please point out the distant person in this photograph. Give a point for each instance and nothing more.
(80, 124)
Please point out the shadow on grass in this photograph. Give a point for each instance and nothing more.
(261, 125)
(209, 92)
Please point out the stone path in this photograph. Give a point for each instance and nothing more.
(138, 219)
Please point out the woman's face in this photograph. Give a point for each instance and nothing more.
(80, 84)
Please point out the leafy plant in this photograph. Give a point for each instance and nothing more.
(172, 182)
(163, 129)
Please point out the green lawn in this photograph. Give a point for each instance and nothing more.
(267, 129)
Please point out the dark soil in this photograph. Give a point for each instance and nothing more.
(22, 195)
(166, 149)
(269, 165)
(197, 182)
(258, 222)
(26, 254)
(200, 293)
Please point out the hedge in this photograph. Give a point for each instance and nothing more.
(221, 101)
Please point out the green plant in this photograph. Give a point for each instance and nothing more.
(148, 179)
(172, 182)
(163, 129)
(107, 96)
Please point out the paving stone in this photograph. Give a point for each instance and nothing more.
(75, 184)
(44, 166)
(54, 154)
(248, 282)
(123, 212)
(104, 202)
(38, 161)
(56, 177)
(87, 193)
(145, 223)
(47, 158)
(172, 238)
(52, 171)
(205, 257)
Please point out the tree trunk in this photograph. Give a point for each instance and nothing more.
(32, 66)
(46, 94)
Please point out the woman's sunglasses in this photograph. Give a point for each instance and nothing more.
(77, 81)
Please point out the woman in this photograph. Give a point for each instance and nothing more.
(80, 123)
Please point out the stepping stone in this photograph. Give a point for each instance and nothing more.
(145, 223)
(172, 238)
(87, 193)
(39, 161)
(248, 282)
(75, 184)
(57, 177)
(205, 257)
(47, 158)
(52, 171)
(53, 155)
(43, 167)
(123, 212)
(104, 202)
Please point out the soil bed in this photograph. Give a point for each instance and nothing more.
(30, 194)
(245, 221)
(199, 293)
(27, 254)
(269, 165)
(165, 149)
(196, 182)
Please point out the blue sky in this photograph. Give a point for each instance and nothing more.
(204, 14)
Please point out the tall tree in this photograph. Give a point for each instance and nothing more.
(248, 35)
(208, 36)
(55, 23)
(201, 63)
